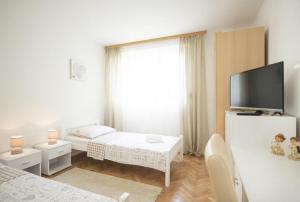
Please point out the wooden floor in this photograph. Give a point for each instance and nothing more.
(189, 178)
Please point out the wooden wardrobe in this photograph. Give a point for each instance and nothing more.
(236, 51)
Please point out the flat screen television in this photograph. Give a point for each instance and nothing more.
(260, 89)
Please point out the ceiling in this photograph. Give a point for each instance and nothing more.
(116, 21)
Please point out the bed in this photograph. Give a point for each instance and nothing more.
(17, 185)
(131, 148)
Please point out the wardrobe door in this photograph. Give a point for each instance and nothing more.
(236, 51)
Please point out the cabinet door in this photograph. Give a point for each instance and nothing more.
(236, 51)
(238, 185)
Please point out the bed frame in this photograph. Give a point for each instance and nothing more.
(176, 152)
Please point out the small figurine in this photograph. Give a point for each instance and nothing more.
(293, 148)
(276, 145)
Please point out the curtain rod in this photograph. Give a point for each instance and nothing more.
(157, 39)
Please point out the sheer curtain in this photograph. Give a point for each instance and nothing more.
(112, 112)
(195, 128)
(151, 88)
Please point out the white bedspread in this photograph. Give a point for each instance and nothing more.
(29, 187)
(132, 148)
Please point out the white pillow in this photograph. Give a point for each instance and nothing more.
(91, 132)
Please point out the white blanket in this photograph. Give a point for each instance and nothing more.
(132, 148)
(23, 186)
(9, 174)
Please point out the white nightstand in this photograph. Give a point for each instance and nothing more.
(55, 157)
(29, 160)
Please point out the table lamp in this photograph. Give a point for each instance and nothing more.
(16, 144)
(52, 137)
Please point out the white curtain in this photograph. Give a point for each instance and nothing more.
(112, 88)
(195, 128)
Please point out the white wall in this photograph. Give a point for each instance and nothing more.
(282, 19)
(35, 90)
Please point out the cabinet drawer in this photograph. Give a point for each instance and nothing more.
(26, 161)
(59, 151)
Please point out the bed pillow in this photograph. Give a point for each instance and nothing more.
(91, 132)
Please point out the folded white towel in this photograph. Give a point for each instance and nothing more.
(154, 139)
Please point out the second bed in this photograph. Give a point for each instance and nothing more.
(153, 151)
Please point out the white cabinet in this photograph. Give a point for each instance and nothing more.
(29, 160)
(257, 130)
(55, 157)
(255, 167)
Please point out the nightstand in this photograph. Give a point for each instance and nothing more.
(29, 160)
(55, 157)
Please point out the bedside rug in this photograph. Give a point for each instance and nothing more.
(108, 185)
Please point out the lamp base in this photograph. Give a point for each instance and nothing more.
(15, 151)
(52, 141)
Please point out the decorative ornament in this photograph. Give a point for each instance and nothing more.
(293, 149)
(276, 144)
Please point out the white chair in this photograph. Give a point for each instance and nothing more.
(220, 168)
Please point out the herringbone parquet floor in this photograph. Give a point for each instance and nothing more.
(189, 178)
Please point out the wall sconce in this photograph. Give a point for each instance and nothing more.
(16, 144)
(52, 137)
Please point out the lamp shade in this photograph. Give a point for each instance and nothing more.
(52, 136)
(16, 144)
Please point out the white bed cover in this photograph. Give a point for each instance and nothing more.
(125, 139)
(17, 185)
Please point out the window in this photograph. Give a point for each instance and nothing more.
(151, 88)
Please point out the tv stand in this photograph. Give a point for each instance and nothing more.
(256, 113)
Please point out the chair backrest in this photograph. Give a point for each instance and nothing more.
(220, 168)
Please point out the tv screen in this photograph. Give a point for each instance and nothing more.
(258, 89)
